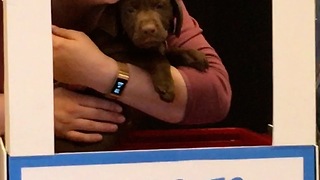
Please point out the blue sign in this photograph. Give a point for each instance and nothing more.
(239, 163)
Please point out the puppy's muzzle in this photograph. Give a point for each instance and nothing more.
(149, 29)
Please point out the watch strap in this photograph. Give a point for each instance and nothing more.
(120, 82)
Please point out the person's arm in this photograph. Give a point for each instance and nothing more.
(140, 94)
(78, 61)
(209, 94)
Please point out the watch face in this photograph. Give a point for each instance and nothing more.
(119, 86)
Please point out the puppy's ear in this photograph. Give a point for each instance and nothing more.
(176, 23)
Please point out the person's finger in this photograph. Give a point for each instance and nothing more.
(101, 115)
(56, 40)
(65, 33)
(83, 137)
(94, 126)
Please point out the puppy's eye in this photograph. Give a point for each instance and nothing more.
(159, 6)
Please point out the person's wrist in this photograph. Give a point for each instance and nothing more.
(120, 82)
(105, 75)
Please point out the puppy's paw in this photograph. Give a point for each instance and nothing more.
(165, 91)
(196, 59)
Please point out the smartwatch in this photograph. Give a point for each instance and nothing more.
(120, 82)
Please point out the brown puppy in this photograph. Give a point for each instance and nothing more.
(140, 29)
(145, 26)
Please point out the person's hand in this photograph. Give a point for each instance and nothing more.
(82, 118)
(75, 56)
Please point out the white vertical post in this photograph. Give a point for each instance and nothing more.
(3, 161)
(294, 72)
(28, 77)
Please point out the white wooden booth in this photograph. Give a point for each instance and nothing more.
(29, 151)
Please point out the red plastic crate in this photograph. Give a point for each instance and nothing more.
(193, 138)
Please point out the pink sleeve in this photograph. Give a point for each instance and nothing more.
(209, 93)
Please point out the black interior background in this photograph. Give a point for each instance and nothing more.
(241, 33)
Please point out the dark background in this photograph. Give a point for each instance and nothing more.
(241, 33)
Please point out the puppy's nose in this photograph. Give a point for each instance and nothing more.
(149, 29)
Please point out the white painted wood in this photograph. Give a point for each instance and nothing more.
(28, 62)
(29, 77)
(294, 115)
(3, 161)
(280, 169)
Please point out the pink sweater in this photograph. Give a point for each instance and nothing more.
(209, 93)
